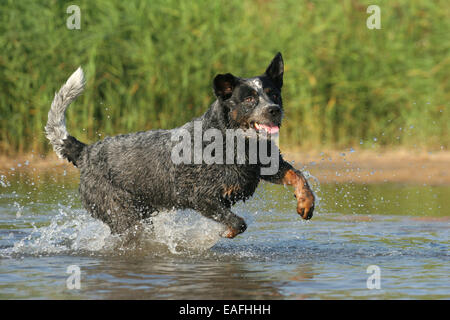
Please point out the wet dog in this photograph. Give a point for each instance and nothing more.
(127, 178)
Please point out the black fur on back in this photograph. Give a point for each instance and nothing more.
(72, 149)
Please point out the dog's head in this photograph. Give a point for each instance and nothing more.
(253, 103)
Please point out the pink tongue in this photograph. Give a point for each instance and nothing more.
(268, 129)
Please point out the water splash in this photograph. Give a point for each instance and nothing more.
(69, 231)
(4, 182)
(315, 187)
(74, 231)
(184, 230)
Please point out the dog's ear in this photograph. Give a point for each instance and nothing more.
(224, 85)
(275, 70)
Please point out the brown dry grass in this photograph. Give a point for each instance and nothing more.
(400, 166)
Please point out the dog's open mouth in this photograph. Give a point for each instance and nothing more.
(268, 128)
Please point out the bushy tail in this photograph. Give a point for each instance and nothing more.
(65, 145)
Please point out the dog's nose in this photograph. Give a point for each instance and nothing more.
(274, 110)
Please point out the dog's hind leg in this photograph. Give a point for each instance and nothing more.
(220, 213)
(114, 206)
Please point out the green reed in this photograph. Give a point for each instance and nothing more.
(149, 64)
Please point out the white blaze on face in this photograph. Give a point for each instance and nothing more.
(256, 84)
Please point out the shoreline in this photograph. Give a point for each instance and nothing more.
(363, 166)
(349, 166)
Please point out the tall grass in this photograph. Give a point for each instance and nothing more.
(149, 64)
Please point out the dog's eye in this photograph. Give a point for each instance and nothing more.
(273, 95)
(249, 99)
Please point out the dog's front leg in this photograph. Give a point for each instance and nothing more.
(288, 175)
(218, 212)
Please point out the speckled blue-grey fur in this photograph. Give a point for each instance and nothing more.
(127, 178)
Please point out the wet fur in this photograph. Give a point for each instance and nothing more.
(127, 178)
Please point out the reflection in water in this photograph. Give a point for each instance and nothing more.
(166, 279)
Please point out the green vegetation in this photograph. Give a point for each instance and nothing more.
(149, 64)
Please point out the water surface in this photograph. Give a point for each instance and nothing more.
(402, 229)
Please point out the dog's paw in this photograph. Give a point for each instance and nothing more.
(305, 203)
(230, 233)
